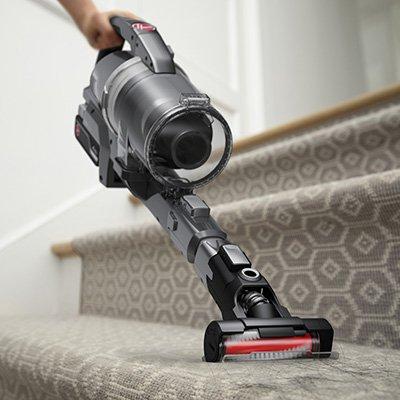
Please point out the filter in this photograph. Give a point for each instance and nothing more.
(250, 346)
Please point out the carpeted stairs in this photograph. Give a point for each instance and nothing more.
(317, 213)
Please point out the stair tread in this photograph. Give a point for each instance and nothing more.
(359, 146)
(58, 357)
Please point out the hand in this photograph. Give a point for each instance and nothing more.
(98, 31)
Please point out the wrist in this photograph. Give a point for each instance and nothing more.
(85, 15)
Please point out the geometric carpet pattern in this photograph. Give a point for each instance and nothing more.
(357, 146)
(92, 358)
(331, 250)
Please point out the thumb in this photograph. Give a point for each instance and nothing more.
(100, 32)
(121, 13)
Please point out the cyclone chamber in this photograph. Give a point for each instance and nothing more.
(166, 122)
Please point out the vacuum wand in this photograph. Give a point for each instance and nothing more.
(149, 129)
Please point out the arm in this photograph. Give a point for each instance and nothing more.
(94, 24)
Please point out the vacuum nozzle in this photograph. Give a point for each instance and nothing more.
(267, 339)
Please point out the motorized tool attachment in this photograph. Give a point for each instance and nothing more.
(267, 339)
(148, 128)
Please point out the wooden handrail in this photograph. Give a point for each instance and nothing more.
(134, 200)
(63, 250)
(340, 110)
(366, 100)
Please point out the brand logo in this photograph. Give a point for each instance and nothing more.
(143, 26)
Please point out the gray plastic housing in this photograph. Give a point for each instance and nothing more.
(138, 103)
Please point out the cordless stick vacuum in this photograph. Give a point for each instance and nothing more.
(149, 129)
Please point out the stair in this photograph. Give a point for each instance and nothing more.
(329, 250)
(319, 216)
(325, 233)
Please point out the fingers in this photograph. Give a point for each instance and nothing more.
(100, 33)
(106, 36)
(121, 13)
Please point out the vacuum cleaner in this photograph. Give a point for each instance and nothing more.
(149, 129)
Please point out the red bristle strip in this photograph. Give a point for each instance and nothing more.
(301, 343)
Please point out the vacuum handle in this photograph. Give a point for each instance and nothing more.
(145, 42)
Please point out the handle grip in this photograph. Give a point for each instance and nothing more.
(145, 42)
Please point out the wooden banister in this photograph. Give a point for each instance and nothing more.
(63, 250)
(340, 110)
(366, 100)
(134, 200)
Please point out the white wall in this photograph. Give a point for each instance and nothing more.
(380, 38)
(44, 65)
(312, 56)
